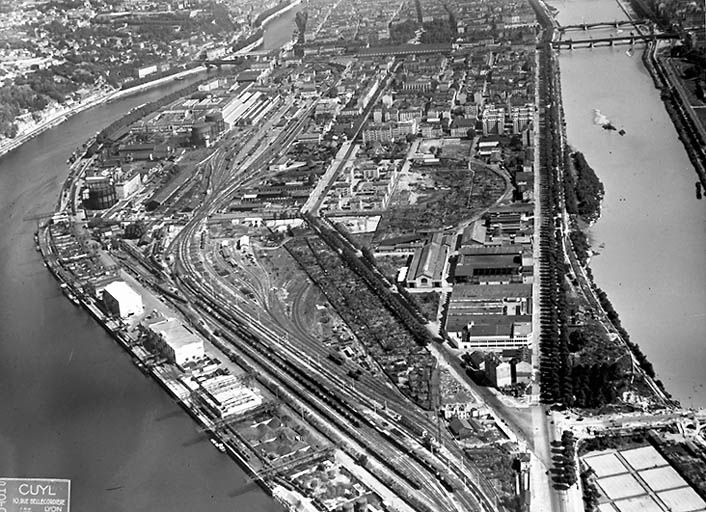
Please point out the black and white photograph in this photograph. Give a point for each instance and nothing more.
(352, 255)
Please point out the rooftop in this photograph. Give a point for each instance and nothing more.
(175, 333)
(120, 291)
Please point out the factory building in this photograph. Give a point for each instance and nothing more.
(121, 300)
(223, 396)
(175, 341)
(127, 184)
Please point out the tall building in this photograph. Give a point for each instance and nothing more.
(521, 117)
(493, 120)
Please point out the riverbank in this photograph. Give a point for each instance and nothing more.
(679, 110)
(603, 315)
(145, 361)
(97, 99)
(650, 235)
(280, 12)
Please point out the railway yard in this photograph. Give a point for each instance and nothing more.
(285, 264)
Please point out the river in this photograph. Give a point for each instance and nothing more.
(278, 32)
(73, 404)
(651, 237)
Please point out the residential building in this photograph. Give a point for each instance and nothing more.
(493, 120)
(499, 372)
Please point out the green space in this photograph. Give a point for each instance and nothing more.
(435, 198)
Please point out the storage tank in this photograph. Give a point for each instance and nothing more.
(101, 195)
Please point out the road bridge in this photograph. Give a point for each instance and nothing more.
(210, 63)
(602, 24)
(609, 41)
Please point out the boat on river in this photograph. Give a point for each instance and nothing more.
(219, 445)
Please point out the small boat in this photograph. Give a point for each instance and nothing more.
(220, 446)
(621, 131)
(628, 52)
(698, 190)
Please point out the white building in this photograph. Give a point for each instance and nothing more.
(176, 342)
(462, 411)
(121, 300)
(147, 70)
(127, 185)
(493, 120)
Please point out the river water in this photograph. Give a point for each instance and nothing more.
(652, 232)
(73, 405)
(279, 31)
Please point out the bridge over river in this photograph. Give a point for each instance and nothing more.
(603, 24)
(591, 42)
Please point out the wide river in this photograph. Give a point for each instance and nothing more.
(652, 232)
(73, 405)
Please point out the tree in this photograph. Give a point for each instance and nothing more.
(135, 230)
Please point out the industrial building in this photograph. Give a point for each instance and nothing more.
(175, 341)
(489, 332)
(503, 299)
(430, 264)
(223, 396)
(127, 184)
(493, 265)
(121, 300)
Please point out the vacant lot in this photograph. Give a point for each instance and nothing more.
(435, 198)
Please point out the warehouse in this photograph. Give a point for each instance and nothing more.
(223, 396)
(121, 300)
(176, 342)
